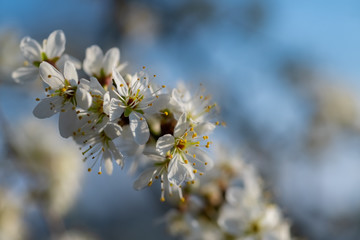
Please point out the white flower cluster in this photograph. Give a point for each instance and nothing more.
(228, 203)
(114, 117)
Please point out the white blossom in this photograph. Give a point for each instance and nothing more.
(51, 51)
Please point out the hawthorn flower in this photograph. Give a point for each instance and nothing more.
(51, 52)
(100, 66)
(132, 102)
(183, 151)
(198, 107)
(63, 95)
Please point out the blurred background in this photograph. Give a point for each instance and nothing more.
(285, 74)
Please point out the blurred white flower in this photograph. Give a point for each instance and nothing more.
(51, 52)
(100, 66)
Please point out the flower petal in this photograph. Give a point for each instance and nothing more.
(83, 98)
(67, 121)
(178, 171)
(164, 144)
(46, 108)
(64, 58)
(113, 130)
(51, 76)
(31, 49)
(201, 157)
(93, 60)
(139, 128)
(106, 103)
(108, 162)
(111, 60)
(204, 127)
(25, 74)
(181, 126)
(121, 85)
(115, 110)
(70, 73)
(145, 178)
(117, 156)
(55, 45)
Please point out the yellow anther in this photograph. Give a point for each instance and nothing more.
(157, 96)
(166, 113)
(185, 134)
(194, 164)
(63, 89)
(37, 99)
(194, 135)
(26, 63)
(49, 76)
(162, 199)
(121, 85)
(201, 97)
(194, 171)
(154, 75)
(150, 104)
(206, 163)
(201, 174)
(171, 184)
(80, 117)
(191, 129)
(103, 149)
(163, 86)
(193, 181)
(73, 108)
(156, 177)
(141, 119)
(171, 156)
(62, 110)
(194, 156)
(89, 169)
(186, 161)
(143, 67)
(150, 183)
(99, 172)
(188, 183)
(182, 199)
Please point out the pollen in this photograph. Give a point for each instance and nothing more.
(163, 86)
(194, 171)
(121, 85)
(37, 99)
(206, 163)
(194, 135)
(186, 161)
(162, 199)
(191, 129)
(201, 97)
(166, 113)
(141, 119)
(194, 156)
(154, 75)
(194, 164)
(49, 76)
(99, 172)
(182, 199)
(143, 67)
(150, 183)
(89, 169)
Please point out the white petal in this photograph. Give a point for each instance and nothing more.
(121, 85)
(96, 86)
(113, 130)
(117, 156)
(234, 195)
(121, 67)
(178, 171)
(115, 110)
(51, 76)
(64, 58)
(70, 73)
(55, 45)
(144, 179)
(201, 157)
(164, 144)
(205, 127)
(160, 103)
(44, 109)
(67, 121)
(83, 98)
(108, 162)
(93, 60)
(181, 126)
(25, 74)
(111, 60)
(106, 103)
(31, 49)
(139, 128)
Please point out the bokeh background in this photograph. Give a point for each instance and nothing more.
(286, 75)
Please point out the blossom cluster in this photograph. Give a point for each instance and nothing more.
(228, 203)
(117, 117)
